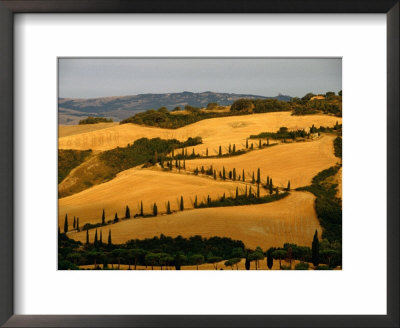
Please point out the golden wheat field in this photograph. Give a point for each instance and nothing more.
(292, 219)
(295, 162)
(70, 130)
(132, 186)
(215, 132)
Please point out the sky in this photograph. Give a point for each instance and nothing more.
(105, 77)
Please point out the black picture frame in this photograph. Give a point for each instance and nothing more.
(7, 10)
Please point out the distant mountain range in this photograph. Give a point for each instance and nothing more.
(71, 110)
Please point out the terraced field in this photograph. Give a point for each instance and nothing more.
(215, 132)
(292, 219)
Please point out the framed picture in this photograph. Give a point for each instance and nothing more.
(163, 164)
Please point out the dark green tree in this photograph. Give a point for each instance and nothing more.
(127, 213)
(181, 206)
(101, 238)
(247, 264)
(270, 259)
(215, 174)
(247, 143)
(243, 177)
(229, 149)
(168, 208)
(259, 143)
(253, 180)
(74, 224)
(77, 224)
(207, 152)
(315, 249)
(66, 224)
(109, 237)
(116, 219)
(234, 174)
(288, 186)
(258, 191)
(141, 208)
(230, 175)
(87, 237)
(195, 202)
(251, 147)
(95, 243)
(234, 148)
(155, 210)
(258, 176)
(250, 191)
(220, 151)
(237, 193)
(103, 218)
(223, 173)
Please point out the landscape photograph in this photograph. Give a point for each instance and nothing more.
(199, 164)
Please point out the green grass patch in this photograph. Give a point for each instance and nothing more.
(68, 160)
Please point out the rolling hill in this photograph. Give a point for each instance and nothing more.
(123, 107)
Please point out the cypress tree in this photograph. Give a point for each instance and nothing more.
(215, 174)
(230, 175)
(95, 239)
(193, 155)
(127, 213)
(270, 188)
(207, 152)
(267, 184)
(173, 153)
(74, 224)
(141, 208)
(315, 249)
(223, 173)
(229, 149)
(258, 176)
(250, 191)
(176, 163)
(195, 202)
(223, 197)
(208, 200)
(184, 164)
(103, 218)
(220, 151)
(243, 178)
(277, 191)
(288, 186)
(183, 152)
(258, 191)
(245, 192)
(237, 193)
(253, 180)
(77, 224)
(179, 165)
(101, 238)
(109, 237)
(234, 174)
(87, 237)
(170, 165)
(66, 224)
(181, 204)
(259, 143)
(234, 148)
(162, 161)
(247, 264)
(116, 217)
(268, 142)
(202, 169)
(155, 210)
(252, 146)
(220, 174)
(239, 178)
(168, 208)
(247, 143)
(270, 259)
